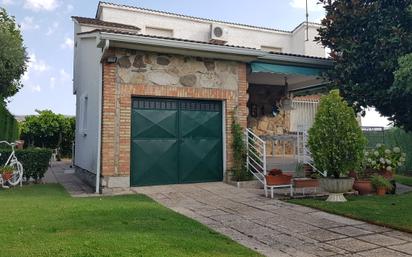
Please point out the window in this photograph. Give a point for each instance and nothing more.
(83, 114)
(159, 32)
(271, 49)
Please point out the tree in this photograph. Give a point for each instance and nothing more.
(336, 140)
(403, 76)
(50, 130)
(13, 56)
(366, 38)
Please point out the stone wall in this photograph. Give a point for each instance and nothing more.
(176, 70)
(268, 125)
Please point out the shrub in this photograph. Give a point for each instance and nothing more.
(239, 170)
(382, 158)
(9, 128)
(35, 161)
(336, 140)
(379, 182)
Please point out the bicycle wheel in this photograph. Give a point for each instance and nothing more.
(17, 174)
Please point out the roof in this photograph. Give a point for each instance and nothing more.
(116, 31)
(96, 22)
(196, 18)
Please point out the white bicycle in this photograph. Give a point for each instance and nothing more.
(17, 174)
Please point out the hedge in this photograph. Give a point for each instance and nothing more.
(9, 129)
(35, 161)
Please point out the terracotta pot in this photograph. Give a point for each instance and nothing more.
(381, 191)
(7, 176)
(305, 182)
(364, 187)
(336, 187)
(278, 180)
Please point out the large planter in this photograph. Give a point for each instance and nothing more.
(305, 182)
(364, 187)
(281, 179)
(336, 187)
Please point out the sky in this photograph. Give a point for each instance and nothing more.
(48, 35)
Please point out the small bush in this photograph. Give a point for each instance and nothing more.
(35, 161)
(239, 170)
(336, 140)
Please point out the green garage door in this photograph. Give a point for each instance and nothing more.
(176, 141)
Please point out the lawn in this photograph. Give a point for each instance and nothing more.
(391, 210)
(43, 220)
(406, 180)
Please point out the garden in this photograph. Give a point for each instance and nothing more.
(361, 183)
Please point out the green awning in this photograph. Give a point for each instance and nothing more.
(285, 69)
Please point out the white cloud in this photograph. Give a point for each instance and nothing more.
(68, 43)
(34, 65)
(312, 5)
(35, 88)
(28, 23)
(51, 29)
(37, 5)
(69, 8)
(52, 82)
(64, 76)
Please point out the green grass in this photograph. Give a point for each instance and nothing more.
(405, 180)
(43, 220)
(390, 210)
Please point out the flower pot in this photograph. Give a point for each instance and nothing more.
(305, 182)
(381, 191)
(336, 187)
(278, 180)
(7, 176)
(364, 187)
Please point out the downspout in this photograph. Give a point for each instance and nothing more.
(100, 104)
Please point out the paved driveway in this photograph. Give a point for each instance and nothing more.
(276, 228)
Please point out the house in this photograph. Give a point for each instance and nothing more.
(157, 92)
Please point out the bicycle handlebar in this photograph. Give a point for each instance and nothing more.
(7, 143)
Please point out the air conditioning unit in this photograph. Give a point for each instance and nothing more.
(218, 34)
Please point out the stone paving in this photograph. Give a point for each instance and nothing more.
(62, 173)
(269, 226)
(276, 228)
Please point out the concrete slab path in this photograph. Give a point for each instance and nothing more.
(276, 228)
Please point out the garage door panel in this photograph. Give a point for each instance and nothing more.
(154, 124)
(154, 162)
(201, 124)
(200, 160)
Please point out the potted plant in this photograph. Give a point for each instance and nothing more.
(6, 172)
(276, 177)
(385, 161)
(362, 182)
(337, 145)
(381, 184)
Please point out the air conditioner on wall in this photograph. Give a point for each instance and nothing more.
(218, 34)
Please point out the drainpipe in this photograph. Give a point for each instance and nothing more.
(99, 130)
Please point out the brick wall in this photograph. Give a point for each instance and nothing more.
(117, 105)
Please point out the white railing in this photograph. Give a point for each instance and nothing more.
(255, 155)
(304, 154)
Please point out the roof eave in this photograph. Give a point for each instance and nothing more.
(214, 51)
